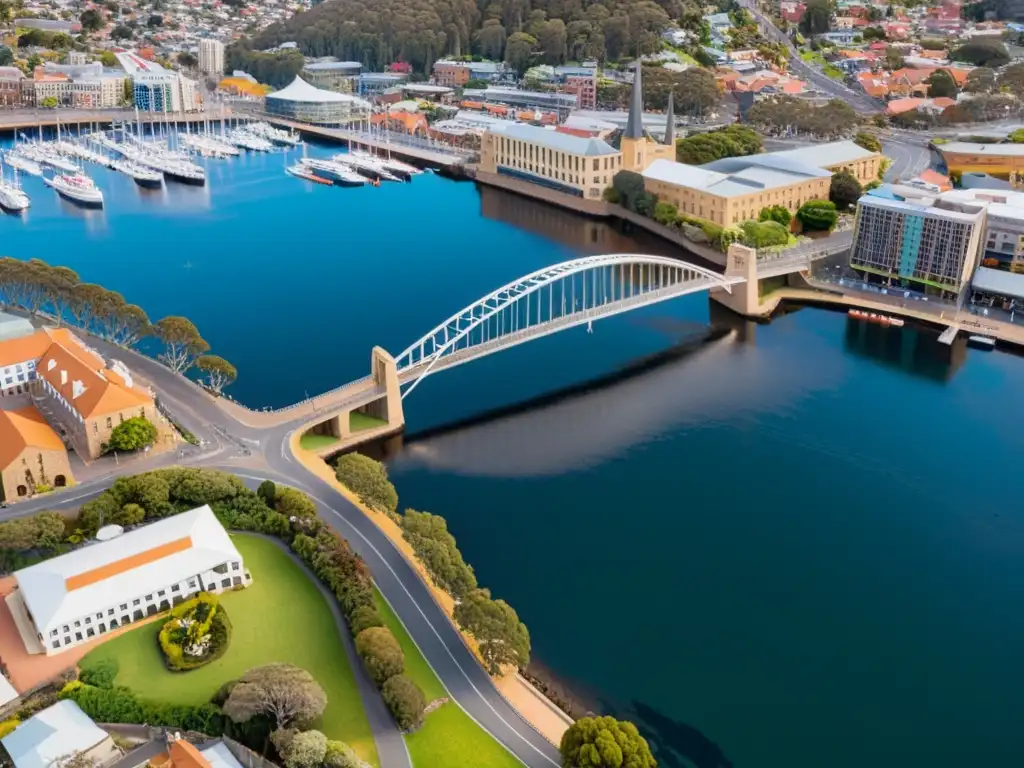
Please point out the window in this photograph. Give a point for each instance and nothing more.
(56, 644)
(149, 598)
(597, 164)
(237, 581)
(88, 620)
(67, 641)
(78, 636)
(99, 615)
(110, 422)
(90, 632)
(103, 628)
(234, 566)
(124, 606)
(66, 629)
(78, 623)
(53, 633)
(191, 583)
(95, 428)
(161, 593)
(110, 612)
(136, 602)
(175, 588)
(225, 583)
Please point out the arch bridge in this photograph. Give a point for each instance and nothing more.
(550, 300)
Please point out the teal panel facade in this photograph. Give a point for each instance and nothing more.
(912, 228)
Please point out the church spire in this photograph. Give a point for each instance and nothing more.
(670, 122)
(635, 123)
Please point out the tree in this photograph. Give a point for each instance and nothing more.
(867, 141)
(187, 60)
(519, 51)
(665, 213)
(368, 479)
(764, 234)
(48, 102)
(817, 215)
(381, 653)
(121, 32)
(490, 39)
(155, 20)
(502, 638)
(941, 85)
(630, 187)
(817, 18)
(845, 190)
(305, 750)
(219, 372)
(779, 213)
(364, 617)
(405, 700)
(435, 546)
(551, 37)
(92, 20)
(108, 59)
(696, 93)
(41, 531)
(268, 492)
(982, 53)
(286, 693)
(476, 83)
(182, 343)
(1017, 136)
(604, 742)
(132, 435)
(292, 502)
(6, 56)
(1011, 79)
(894, 59)
(341, 755)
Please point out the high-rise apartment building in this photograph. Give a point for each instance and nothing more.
(211, 56)
(932, 248)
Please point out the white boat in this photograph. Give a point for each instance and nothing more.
(143, 176)
(339, 173)
(12, 198)
(242, 138)
(23, 164)
(274, 135)
(77, 188)
(207, 146)
(367, 166)
(61, 163)
(396, 167)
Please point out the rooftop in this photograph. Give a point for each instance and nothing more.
(822, 155)
(25, 428)
(921, 208)
(963, 147)
(724, 180)
(327, 66)
(563, 142)
(300, 90)
(998, 282)
(103, 574)
(56, 732)
(14, 327)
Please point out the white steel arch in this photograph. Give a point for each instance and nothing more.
(550, 300)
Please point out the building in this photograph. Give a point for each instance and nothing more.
(11, 79)
(31, 455)
(933, 248)
(211, 56)
(19, 353)
(87, 397)
(338, 76)
(1000, 160)
(157, 89)
(76, 58)
(301, 101)
(182, 754)
(51, 25)
(560, 103)
(578, 166)
(56, 734)
(834, 156)
(452, 74)
(584, 88)
(372, 83)
(68, 600)
(14, 327)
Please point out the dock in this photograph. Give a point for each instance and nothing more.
(438, 156)
(947, 336)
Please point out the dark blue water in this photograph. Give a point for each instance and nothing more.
(793, 547)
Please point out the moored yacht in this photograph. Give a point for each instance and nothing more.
(23, 164)
(397, 167)
(367, 166)
(339, 173)
(143, 176)
(77, 188)
(12, 198)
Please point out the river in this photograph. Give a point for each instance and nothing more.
(792, 545)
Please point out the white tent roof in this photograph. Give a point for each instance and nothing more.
(56, 732)
(300, 90)
(100, 575)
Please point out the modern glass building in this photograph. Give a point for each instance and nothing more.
(340, 76)
(302, 102)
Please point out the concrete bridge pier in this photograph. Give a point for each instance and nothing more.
(744, 299)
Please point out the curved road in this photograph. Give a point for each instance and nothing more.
(257, 454)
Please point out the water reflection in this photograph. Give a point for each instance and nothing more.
(910, 349)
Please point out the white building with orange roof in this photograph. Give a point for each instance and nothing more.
(31, 455)
(74, 598)
(18, 358)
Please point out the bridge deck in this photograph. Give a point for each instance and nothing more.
(348, 397)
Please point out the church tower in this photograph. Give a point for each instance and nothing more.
(638, 149)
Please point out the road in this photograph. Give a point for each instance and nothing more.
(910, 156)
(859, 100)
(256, 455)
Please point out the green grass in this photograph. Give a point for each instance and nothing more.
(449, 738)
(311, 442)
(281, 617)
(359, 421)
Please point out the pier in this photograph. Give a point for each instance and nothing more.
(22, 119)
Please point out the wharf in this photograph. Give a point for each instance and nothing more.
(947, 336)
(434, 157)
(20, 119)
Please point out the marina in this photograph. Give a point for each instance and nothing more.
(154, 155)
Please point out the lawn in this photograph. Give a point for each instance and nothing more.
(311, 442)
(449, 738)
(359, 421)
(281, 617)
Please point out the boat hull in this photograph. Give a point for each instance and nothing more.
(80, 202)
(149, 183)
(12, 209)
(181, 179)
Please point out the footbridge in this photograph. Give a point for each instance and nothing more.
(562, 296)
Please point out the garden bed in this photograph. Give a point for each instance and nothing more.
(198, 633)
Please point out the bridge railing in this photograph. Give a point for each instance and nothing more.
(287, 408)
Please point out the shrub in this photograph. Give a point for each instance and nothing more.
(364, 617)
(602, 742)
(368, 479)
(436, 548)
(665, 213)
(764, 234)
(101, 674)
(192, 622)
(130, 514)
(405, 700)
(291, 502)
(340, 755)
(779, 213)
(868, 141)
(844, 190)
(8, 725)
(119, 705)
(132, 435)
(268, 492)
(818, 215)
(306, 750)
(381, 653)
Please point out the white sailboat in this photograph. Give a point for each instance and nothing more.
(12, 198)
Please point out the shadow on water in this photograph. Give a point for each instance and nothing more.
(675, 744)
(914, 350)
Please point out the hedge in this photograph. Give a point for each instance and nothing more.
(381, 653)
(405, 700)
(120, 705)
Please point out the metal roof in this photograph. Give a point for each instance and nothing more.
(997, 150)
(101, 575)
(327, 66)
(57, 732)
(988, 280)
(563, 142)
(821, 155)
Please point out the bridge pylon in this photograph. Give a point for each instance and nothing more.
(744, 299)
